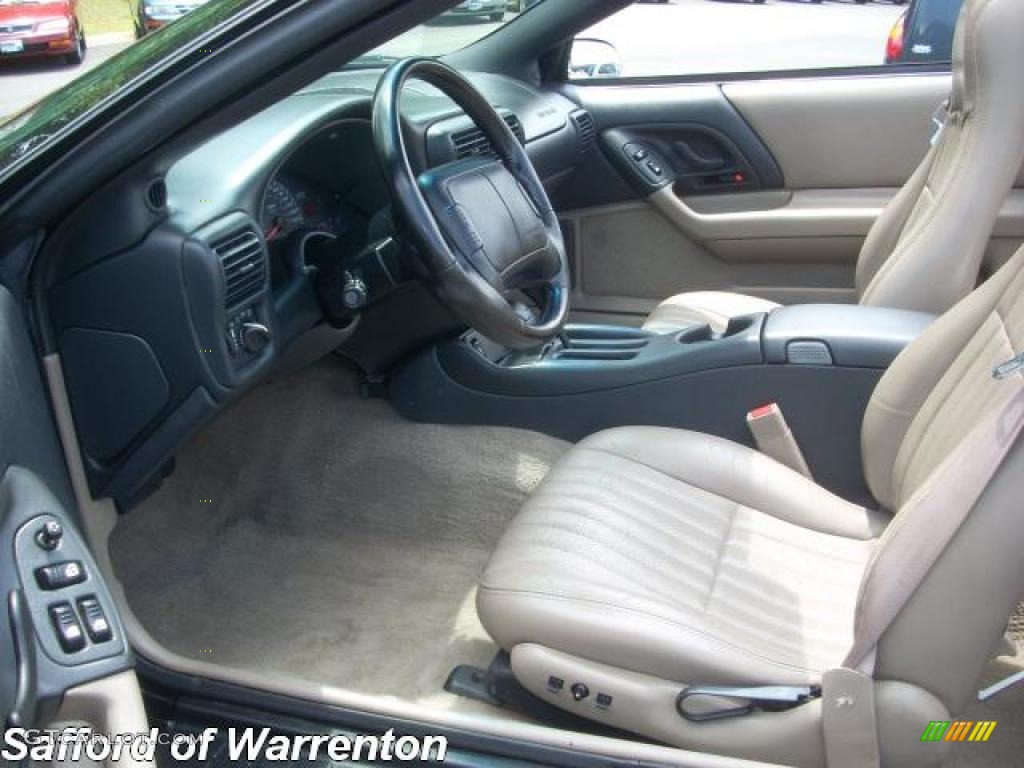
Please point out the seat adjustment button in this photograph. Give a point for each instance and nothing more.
(579, 691)
(555, 684)
(603, 700)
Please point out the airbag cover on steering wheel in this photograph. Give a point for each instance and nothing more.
(483, 227)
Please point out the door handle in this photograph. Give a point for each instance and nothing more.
(697, 161)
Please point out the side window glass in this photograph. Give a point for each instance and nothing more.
(715, 37)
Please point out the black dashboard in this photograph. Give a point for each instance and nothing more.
(248, 245)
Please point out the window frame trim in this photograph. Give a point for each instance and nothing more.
(710, 78)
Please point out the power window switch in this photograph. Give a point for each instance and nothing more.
(603, 700)
(60, 575)
(69, 631)
(95, 620)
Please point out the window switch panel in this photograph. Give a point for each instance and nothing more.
(60, 575)
(96, 624)
(69, 631)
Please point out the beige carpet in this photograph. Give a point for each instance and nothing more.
(313, 533)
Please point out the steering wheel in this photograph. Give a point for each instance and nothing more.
(484, 227)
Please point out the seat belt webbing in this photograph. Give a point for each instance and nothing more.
(929, 520)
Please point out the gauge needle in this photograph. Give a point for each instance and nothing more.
(274, 231)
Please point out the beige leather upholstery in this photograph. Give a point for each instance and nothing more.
(690, 510)
(651, 559)
(715, 308)
(925, 250)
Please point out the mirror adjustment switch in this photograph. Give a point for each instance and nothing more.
(96, 624)
(69, 631)
(60, 575)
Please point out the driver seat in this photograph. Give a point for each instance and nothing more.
(924, 252)
(653, 559)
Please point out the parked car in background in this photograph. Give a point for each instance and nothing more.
(494, 10)
(41, 28)
(924, 34)
(150, 15)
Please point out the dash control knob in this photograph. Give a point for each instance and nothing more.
(50, 534)
(354, 294)
(254, 337)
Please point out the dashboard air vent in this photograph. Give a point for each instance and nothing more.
(156, 195)
(585, 129)
(473, 143)
(244, 264)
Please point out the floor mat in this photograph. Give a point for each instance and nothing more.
(317, 534)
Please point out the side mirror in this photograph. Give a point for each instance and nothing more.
(593, 58)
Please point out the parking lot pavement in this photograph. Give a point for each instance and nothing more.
(27, 80)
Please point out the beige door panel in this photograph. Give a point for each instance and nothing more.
(800, 248)
(844, 145)
(631, 256)
(843, 133)
(807, 213)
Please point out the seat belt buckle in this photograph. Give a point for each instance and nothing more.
(774, 438)
(1010, 367)
(705, 703)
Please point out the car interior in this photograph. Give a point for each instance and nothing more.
(651, 419)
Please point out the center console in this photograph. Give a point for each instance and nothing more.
(820, 363)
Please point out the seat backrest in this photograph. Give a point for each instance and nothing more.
(924, 406)
(925, 251)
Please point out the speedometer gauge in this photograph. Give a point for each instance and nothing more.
(282, 211)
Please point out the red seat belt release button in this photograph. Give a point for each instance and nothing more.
(774, 438)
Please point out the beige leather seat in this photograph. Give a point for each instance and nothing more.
(925, 250)
(654, 559)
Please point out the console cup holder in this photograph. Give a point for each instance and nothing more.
(695, 334)
(700, 333)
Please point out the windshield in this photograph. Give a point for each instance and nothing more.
(59, 61)
(451, 31)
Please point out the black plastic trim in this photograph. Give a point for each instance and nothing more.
(858, 337)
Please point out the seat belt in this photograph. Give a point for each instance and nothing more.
(906, 552)
(938, 123)
(775, 439)
(908, 548)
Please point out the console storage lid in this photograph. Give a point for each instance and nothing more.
(846, 335)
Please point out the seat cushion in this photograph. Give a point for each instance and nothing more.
(715, 308)
(683, 556)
